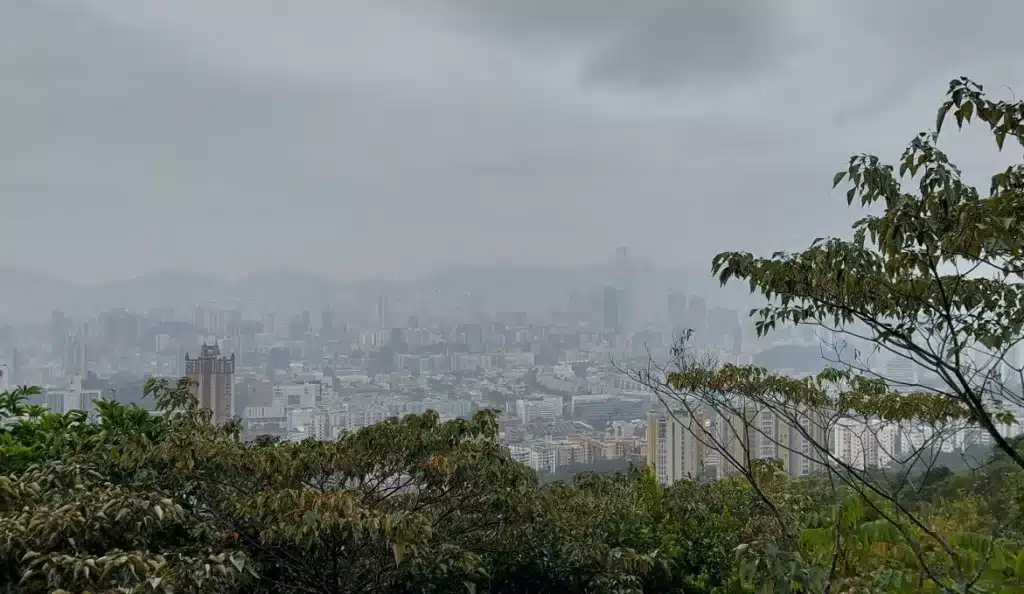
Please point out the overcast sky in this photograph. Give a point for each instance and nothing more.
(395, 137)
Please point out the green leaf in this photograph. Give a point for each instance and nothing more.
(238, 561)
(309, 518)
(941, 117)
(968, 111)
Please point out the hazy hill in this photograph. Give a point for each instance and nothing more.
(165, 288)
(26, 294)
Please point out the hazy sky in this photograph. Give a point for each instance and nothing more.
(395, 137)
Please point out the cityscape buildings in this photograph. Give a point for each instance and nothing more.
(554, 373)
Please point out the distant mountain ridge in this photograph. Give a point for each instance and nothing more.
(28, 294)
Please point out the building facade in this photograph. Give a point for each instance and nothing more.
(213, 378)
(672, 449)
(764, 434)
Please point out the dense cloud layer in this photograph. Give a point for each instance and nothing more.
(659, 43)
(353, 138)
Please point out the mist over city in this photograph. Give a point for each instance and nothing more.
(511, 296)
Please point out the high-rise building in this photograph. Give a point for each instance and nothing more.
(624, 283)
(15, 367)
(672, 448)
(764, 434)
(179, 360)
(278, 358)
(76, 356)
(320, 424)
(158, 315)
(74, 397)
(677, 312)
(119, 328)
(297, 327)
(5, 378)
(901, 374)
(213, 378)
(200, 317)
(60, 327)
(857, 444)
(610, 306)
(721, 322)
(270, 323)
(230, 322)
(382, 311)
(697, 318)
(327, 322)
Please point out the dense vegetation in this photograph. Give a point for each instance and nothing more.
(168, 502)
(135, 502)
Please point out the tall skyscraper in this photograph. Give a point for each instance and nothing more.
(737, 340)
(611, 308)
(76, 356)
(677, 312)
(200, 317)
(624, 283)
(697, 319)
(278, 358)
(297, 327)
(214, 381)
(179, 360)
(382, 311)
(60, 327)
(14, 368)
(327, 322)
(270, 323)
(5, 378)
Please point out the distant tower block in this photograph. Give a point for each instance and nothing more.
(382, 311)
(214, 381)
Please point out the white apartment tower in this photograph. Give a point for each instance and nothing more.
(672, 449)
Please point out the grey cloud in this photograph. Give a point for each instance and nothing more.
(940, 30)
(676, 43)
(645, 43)
(274, 135)
(113, 140)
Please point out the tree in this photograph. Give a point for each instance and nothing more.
(931, 276)
(76, 514)
(173, 493)
(627, 533)
(933, 279)
(141, 502)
